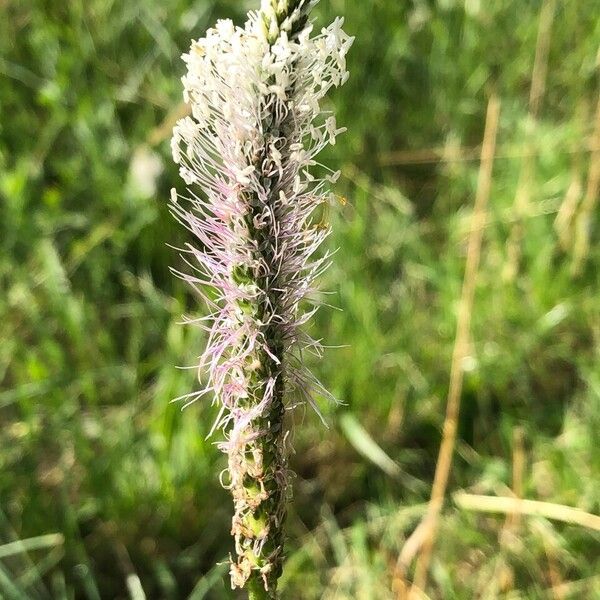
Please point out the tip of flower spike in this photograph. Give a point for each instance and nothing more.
(289, 16)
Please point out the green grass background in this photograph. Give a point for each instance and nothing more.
(107, 489)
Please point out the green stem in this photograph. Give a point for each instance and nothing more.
(259, 463)
(256, 590)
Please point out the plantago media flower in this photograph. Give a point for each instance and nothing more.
(247, 155)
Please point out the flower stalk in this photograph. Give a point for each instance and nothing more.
(247, 155)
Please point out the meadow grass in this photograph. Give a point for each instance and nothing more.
(107, 489)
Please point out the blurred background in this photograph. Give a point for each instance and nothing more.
(107, 490)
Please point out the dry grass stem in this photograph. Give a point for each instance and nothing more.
(551, 551)
(563, 224)
(588, 204)
(465, 309)
(164, 130)
(526, 175)
(537, 508)
(440, 154)
(518, 468)
(540, 62)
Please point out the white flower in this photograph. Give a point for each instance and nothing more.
(246, 154)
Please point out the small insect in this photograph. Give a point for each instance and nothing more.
(346, 212)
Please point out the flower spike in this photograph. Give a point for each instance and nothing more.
(247, 154)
